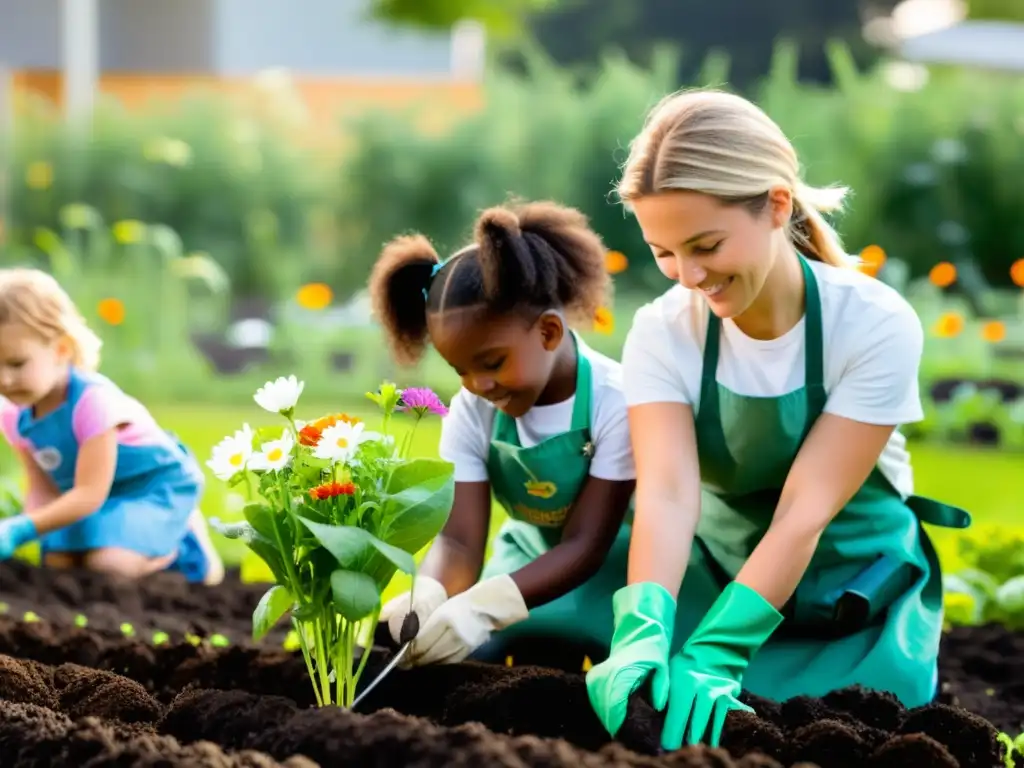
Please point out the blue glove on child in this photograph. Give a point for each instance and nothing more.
(15, 531)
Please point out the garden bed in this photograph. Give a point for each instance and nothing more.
(89, 696)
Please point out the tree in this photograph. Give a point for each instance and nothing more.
(502, 18)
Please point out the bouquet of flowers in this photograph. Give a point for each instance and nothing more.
(335, 510)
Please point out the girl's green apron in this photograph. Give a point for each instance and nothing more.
(869, 608)
(537, 486)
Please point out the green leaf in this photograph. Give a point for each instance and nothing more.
(418, 501)
(355, 594)
(269, 554)
(274, 604)
(352, 546)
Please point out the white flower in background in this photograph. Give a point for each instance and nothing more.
(339, 442)
(232, 454)
(274, 455)
(280, 396)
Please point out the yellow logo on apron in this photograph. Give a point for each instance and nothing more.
(541, 489)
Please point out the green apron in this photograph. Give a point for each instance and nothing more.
(537, 486)
(868, 610)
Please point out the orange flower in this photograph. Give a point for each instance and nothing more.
(943, 274)
(329, 421)
(872, 260)
(111, 311)
(993, 331)
(604, 321)
(948, 325)
(330, 490)
(1017, 272)
(314, 296)
(615, 262)
(309, 436)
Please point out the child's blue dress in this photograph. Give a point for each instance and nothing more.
(157, 483)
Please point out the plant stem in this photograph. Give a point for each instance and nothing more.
(300, 631)
(362, 661)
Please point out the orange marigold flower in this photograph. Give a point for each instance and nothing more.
(615, 262)
(329, 421)
(330, 490)
(948, 325)
(314, 296)
(993, 331)
(111, 311)
(1017, 272)
(943, 274)
(309, 436)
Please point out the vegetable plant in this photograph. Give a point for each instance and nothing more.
(335, 511)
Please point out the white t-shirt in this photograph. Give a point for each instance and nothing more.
(466, 430)
(873, 342)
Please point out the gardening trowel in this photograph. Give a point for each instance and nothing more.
(410, 628)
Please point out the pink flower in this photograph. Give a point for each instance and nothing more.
(421, 401)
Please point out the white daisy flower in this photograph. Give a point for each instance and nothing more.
(339, 442)
(232, 454)
(274, 455)
(280, 395)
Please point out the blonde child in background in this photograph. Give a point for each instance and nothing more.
(107, 488)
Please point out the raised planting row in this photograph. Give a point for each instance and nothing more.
(163, 604)
(465, 714)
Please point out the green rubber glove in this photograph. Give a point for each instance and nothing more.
(706, 673)
(644, 618)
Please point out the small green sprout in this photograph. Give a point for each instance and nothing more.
(1006, 741)
(193, 639)
(160, 638)
(127, 630)
(219, 641)
(4, 607)
(81, 620)
(292, 641)
(30, 617)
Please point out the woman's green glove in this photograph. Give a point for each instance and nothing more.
(706, 673)
(644, 618)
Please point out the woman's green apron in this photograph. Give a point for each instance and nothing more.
(537, 486)
(869, 608)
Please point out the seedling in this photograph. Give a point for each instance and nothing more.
(219, 641)
(334, 510)
(30, 617)
(81, 621)
(127, 630)
(160, 638)
(193, 639)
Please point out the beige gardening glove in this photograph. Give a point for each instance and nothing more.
(428, 595)
(467, 621)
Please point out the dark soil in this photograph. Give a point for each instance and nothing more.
(84, 697)
(162, 602)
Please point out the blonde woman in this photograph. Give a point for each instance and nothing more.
(764, 391)
(108, 489)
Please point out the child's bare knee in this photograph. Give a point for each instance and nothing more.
(62, 560)
(124, 562)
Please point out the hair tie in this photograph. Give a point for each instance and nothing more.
(433, 273)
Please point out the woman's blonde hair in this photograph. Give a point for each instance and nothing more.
(723, 145)
(35, 300)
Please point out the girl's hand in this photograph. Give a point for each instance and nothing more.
(14, 532)
(427, 596)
